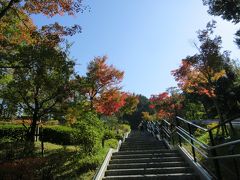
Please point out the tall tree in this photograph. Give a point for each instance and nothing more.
(228, 10)
(200, 73)
(43, 84)
(100, 78)
(18, 29)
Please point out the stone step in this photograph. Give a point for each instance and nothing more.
(148, 165)
(176, 176)
(145, 160)
(137, 147)
(140, 148)
(153, 145)
(132, 156)
(148, 139)
(143, 144)
(143, 171)
(146, 151)
(143, 157)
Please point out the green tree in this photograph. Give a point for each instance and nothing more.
(129, 107)
(43, 84)
(228, 10)
(136, 117)
(201, 72)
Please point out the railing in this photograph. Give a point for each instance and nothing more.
(209, 154)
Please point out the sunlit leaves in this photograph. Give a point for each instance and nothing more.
(200, 73)
(100, 78)
(16, 30)
(110, 102)
(47, 7)
(197, 79)
(130, 106)
(166, 104)
(53, 7)
(101, 87)
(148, 117)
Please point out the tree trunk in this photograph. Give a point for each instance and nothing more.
(219, 114)
(30, 137)
(31, 133)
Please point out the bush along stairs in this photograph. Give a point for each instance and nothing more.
(142, 156)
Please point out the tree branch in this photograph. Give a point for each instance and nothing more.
(47, 110)
(47, 99)
(15, 10)
(25, 100)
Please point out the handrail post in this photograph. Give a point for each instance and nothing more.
(179, 137)
(214, 154)
(192, 143)
(161, 130)
(171, 135)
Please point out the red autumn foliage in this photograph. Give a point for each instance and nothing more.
(110, 102)
(198, 79)
(166, 105)
(151, 106)
(101, 82)
(47, 7)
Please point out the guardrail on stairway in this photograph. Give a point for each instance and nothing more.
(214, 156)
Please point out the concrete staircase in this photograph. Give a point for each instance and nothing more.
(143, 157)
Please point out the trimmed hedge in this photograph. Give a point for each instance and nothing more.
(59, 135)
(13, 132)
(81, 134)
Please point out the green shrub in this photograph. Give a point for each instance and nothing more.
(112, 143)
(87, 136)
(12, 132)
(59, 135)
(80, 134)
(89, 163)
(204, 138)
(119, 136)
(109, 135)
(124, 128)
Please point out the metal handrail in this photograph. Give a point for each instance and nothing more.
(225, 157)
(224, 122)
(204, 155)
(224, 144)
(204, 146)
(188, 122)
(169, 129)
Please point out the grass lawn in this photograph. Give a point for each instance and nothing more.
(58, 162)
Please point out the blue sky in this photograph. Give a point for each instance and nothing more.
(146, 39)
